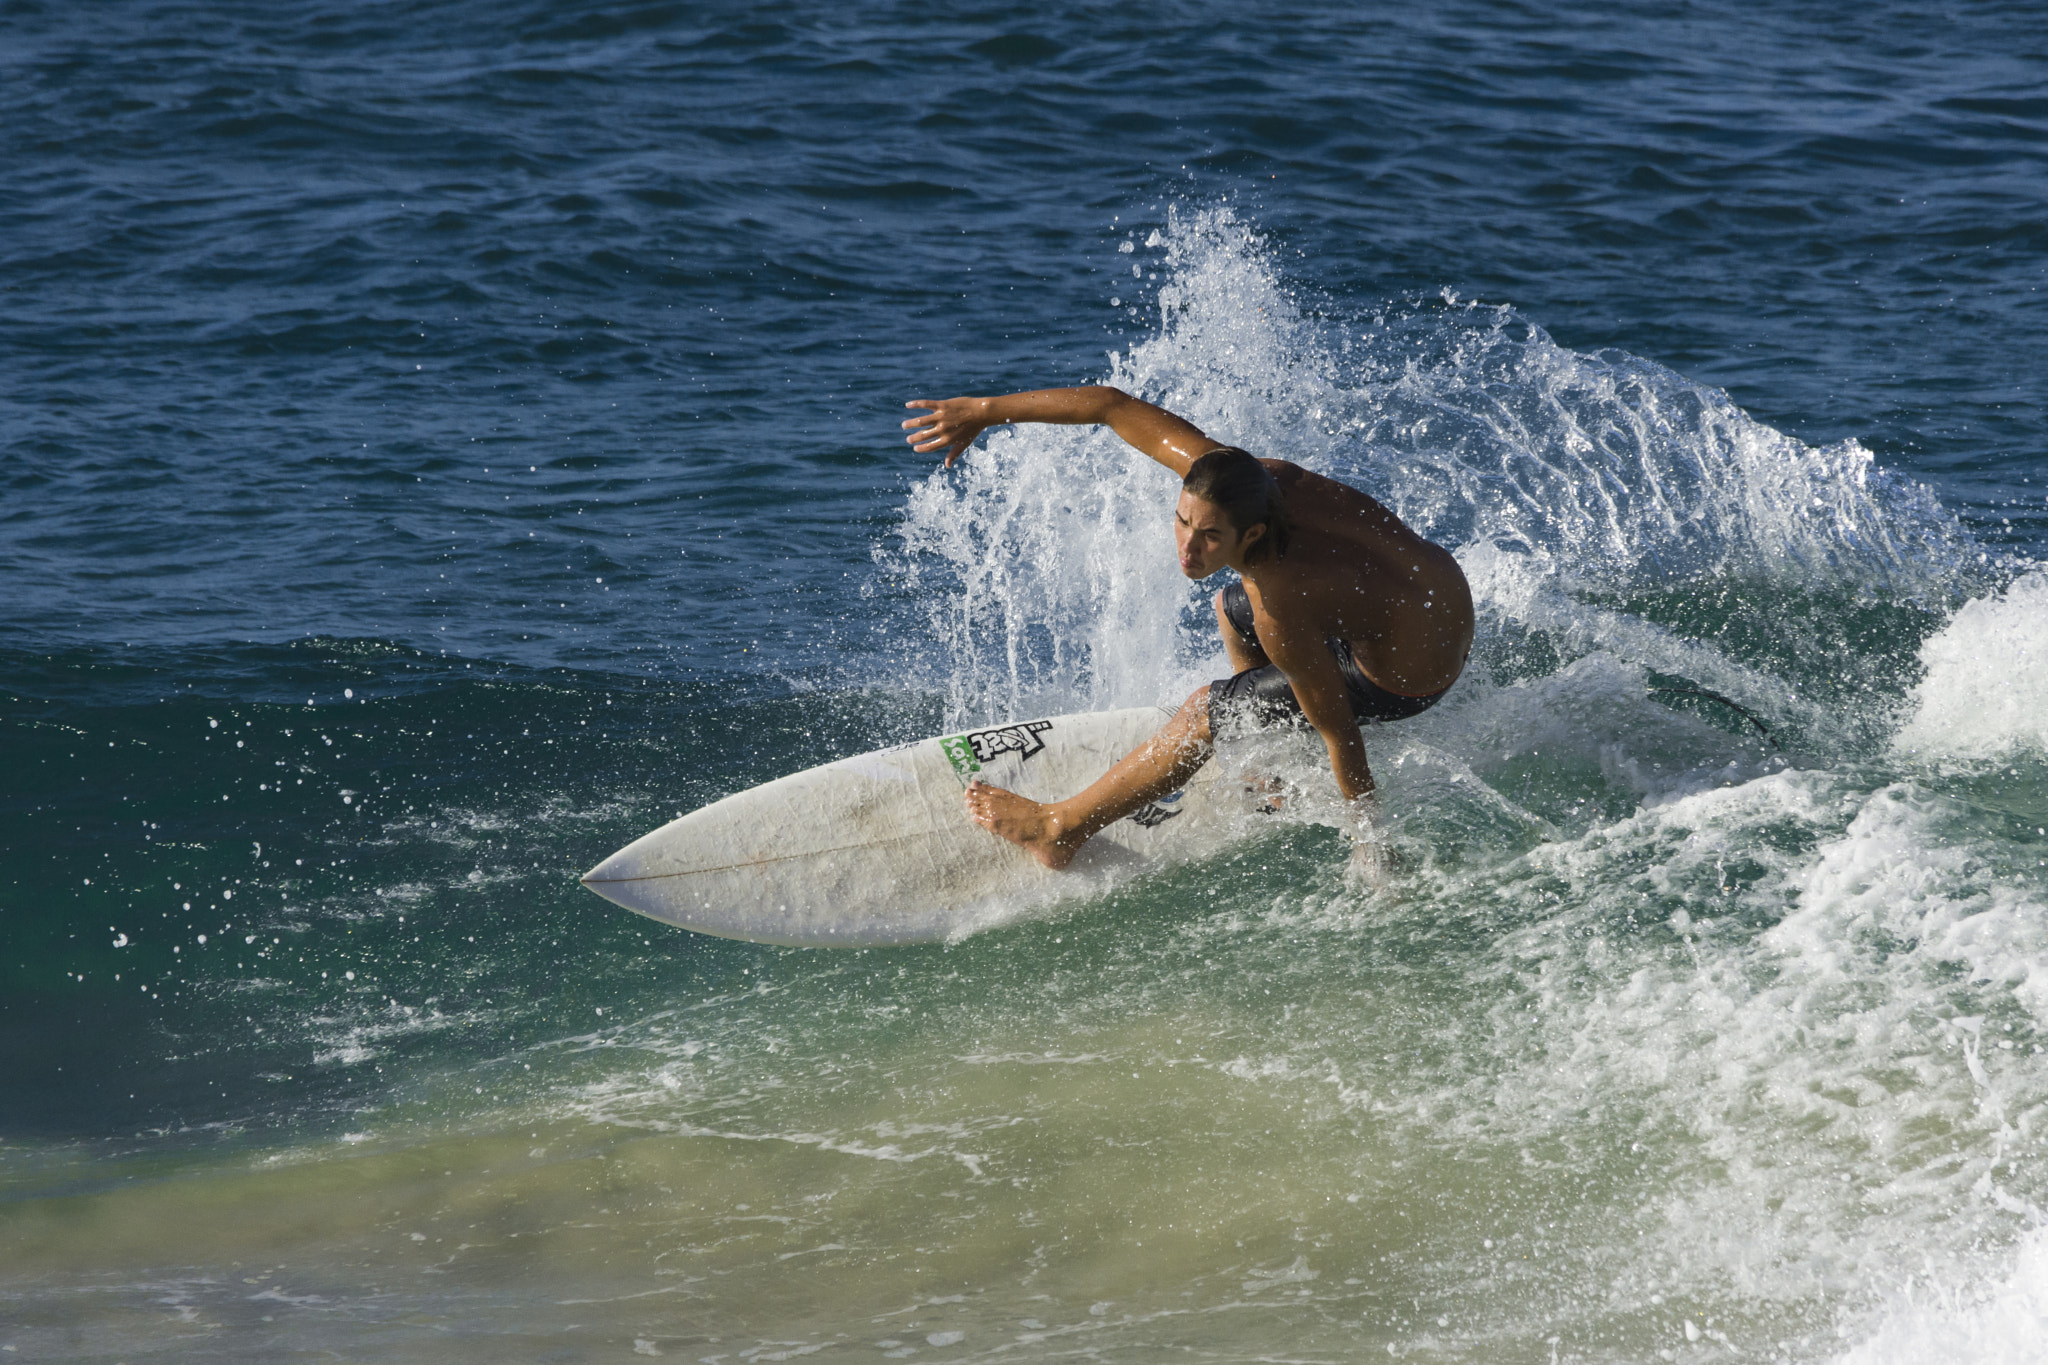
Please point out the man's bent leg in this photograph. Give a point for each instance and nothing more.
(1054, 831)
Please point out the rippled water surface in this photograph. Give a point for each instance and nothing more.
(444, 442)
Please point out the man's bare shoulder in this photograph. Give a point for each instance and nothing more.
(1304, 489)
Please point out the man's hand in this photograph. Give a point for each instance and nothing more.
(1372, 866)
(1373, 859)
(949, 422)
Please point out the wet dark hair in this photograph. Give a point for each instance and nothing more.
(1248, 495)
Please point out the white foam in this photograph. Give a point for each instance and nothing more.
(1900, 875)
(351, 1042)
(1986, 688)
(1995, 1320)
(1557, 476)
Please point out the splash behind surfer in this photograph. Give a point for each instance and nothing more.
(1341, 613)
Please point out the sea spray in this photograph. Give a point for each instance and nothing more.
(1046, 555)
(1569, 485)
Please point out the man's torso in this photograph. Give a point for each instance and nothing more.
(1354, 570)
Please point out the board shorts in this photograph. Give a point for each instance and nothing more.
(1260, 697)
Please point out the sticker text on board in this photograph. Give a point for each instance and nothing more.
(1021, 739)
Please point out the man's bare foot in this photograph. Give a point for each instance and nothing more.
(1022, 821)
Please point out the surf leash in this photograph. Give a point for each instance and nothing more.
(1737, 707)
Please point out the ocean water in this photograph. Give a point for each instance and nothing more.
(443, 442)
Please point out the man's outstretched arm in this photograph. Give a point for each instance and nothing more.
(953, 423)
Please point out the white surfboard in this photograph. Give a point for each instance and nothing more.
(878, 849)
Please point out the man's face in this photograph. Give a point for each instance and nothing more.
(1203, 536)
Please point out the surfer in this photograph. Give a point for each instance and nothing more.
(1341, 614)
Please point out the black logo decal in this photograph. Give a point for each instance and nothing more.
(1022, 740)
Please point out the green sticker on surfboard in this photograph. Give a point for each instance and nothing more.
(960, 754)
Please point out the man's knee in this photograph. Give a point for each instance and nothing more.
(1194, 716)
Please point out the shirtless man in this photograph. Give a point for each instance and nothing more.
(1341, 615)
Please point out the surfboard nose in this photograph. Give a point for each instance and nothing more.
(627, 880)
(612, 869)
(606, 880)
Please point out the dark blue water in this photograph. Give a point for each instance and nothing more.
(441, 441)
(284, 283)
